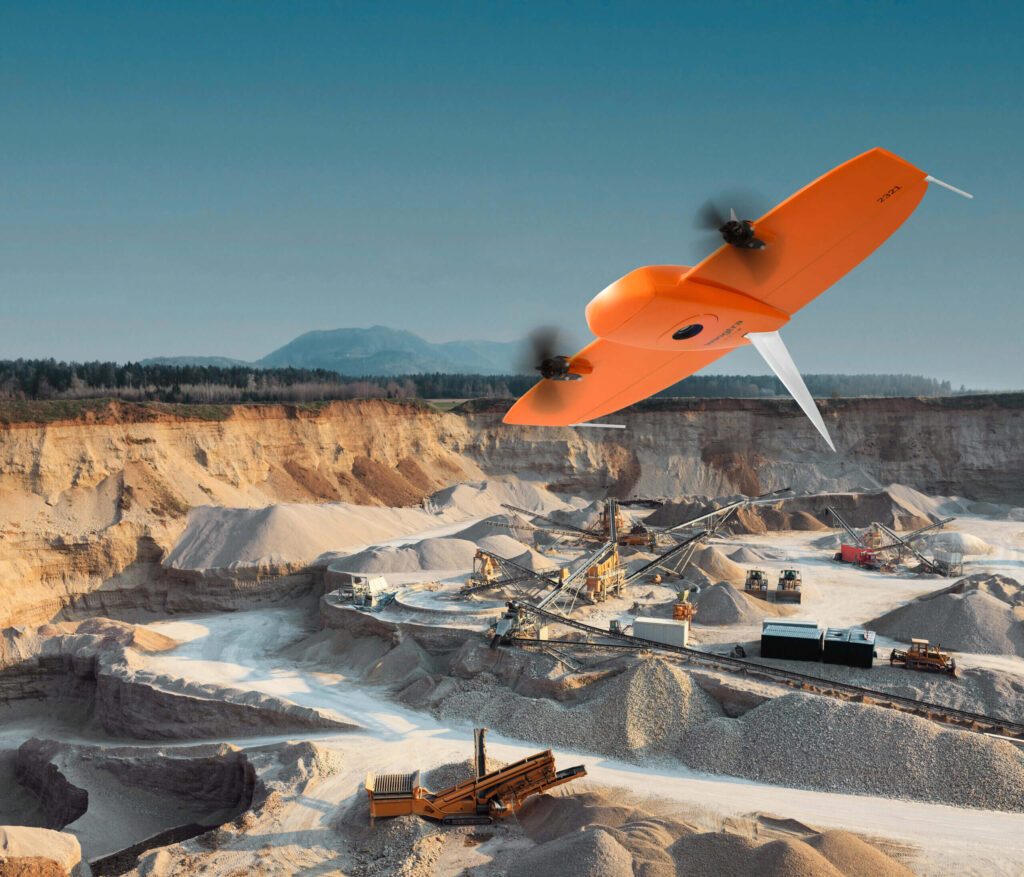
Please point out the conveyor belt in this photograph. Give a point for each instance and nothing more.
(828, 687)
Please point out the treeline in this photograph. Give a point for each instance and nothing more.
(35, 379)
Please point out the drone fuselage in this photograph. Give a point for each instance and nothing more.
(661, 307)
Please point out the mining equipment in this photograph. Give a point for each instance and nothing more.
(683, 609)
(477, 801)
(611, 526)
(790, 586)
(489, 571)
(860, 550)
(371, 593)
(606, 578)
(756, 584)
(597, 578)
(944, 566)
(922, 656)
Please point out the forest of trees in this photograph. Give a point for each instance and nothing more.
(31, 379)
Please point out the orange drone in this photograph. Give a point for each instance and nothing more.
(660, 324)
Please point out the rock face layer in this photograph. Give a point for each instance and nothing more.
(93, 506)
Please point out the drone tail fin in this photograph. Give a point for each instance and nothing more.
(771, 348)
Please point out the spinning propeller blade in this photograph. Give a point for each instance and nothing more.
(543, 345)
(770, 346)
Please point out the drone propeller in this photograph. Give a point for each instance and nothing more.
(546, 351)
(735, 226)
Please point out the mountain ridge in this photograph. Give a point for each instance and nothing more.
(376, 350)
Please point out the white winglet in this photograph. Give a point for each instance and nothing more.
(932, 179)
(601, 425)
(770, 346)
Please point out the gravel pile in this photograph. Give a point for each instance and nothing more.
(454, 772)
(960, 543)
(717, 566)
(486, 497)
(723, 604)
(641, 711)
(819, 743)
(593, 852)
(746, 555)
(975, 621)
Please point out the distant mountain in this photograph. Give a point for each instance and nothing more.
(383, 351)
(218, 361)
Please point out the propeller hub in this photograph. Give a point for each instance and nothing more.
(556, 368)
(740, 233)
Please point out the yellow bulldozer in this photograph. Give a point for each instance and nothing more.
(922, 656)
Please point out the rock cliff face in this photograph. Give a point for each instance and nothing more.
(967, 446)
(91, 507)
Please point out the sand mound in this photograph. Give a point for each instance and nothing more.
(792, 858)
(623, 716)
(587, 517)
(723, 604)
(592, 851)
(546, 817)
(855, 858)
(447, 553)
(746, 555)
(486, 497)
(974, 621)
(141, 638)
(483, 529)
(847, 747)
(958, 543)
(222, 538)
(717, 566)
(289, 533)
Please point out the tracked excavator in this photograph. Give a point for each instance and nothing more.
(477, 801)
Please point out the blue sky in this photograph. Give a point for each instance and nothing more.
(217, 178)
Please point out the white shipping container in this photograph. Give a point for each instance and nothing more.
(662, 630)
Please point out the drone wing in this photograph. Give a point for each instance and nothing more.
(820, 233)
(620, 376)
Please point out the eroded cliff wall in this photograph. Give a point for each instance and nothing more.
(89, 507)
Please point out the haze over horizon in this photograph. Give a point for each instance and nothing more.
(215, 180)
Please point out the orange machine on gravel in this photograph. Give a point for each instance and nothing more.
(922, 656)
(476, 801)
(660, 324)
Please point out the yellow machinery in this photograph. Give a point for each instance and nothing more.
(683, 609)
(757, 583)
(605, 579)
(485, 571)
(790, 587)
(475, 801)
(922, 656)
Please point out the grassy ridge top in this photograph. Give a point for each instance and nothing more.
(119, 411)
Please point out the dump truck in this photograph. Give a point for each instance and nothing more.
(487, 796)
(922, 656)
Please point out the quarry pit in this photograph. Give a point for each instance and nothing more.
(185, 691)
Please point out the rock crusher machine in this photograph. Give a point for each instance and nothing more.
(922, 656)
(476, 801)
(683, 609)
